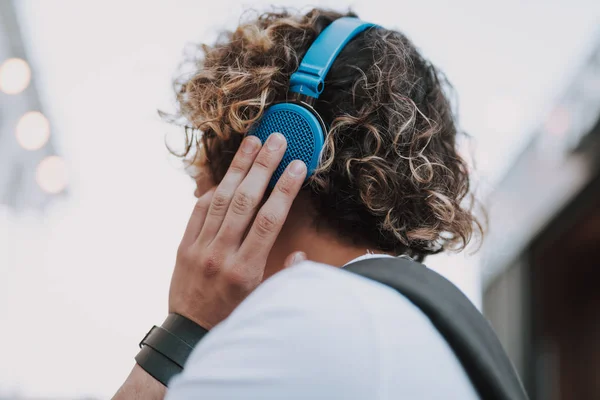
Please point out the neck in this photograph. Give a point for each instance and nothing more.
(328, 250)
(300, 234)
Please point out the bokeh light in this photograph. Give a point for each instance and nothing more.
(51, 174)
(15, 76)
(33, 130)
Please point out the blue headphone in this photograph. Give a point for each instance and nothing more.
(296, 119)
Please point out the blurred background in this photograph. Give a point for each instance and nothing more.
(92, 207)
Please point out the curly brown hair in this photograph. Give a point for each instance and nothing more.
(390, 175)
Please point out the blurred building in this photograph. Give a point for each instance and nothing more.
(31, 173)
(542, 266)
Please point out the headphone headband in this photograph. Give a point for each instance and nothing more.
(309, 79)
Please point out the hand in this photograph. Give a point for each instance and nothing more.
(218, 264)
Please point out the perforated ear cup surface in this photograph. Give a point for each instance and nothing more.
(302, 129)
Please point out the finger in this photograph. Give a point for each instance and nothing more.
(194, 225)
(294, 258)
(272, 215)
(240, 165)
(250, 192)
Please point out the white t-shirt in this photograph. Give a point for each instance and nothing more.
(315, 332)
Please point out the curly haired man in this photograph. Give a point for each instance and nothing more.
(390, 183)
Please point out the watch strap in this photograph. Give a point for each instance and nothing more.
(157, 365)
(168, 345)
(166, 348)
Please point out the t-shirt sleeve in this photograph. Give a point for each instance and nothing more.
(294, 337)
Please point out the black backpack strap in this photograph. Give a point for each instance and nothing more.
(465, 329)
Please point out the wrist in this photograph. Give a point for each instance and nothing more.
(145, 383)
(165, 349)
(186, 328)
(140, 385)
(206, 321)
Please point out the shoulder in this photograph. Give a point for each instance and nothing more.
(317, 289)
(333, 296)
(335, 301)
(338, 334)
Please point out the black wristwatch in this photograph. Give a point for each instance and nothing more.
(165, 348)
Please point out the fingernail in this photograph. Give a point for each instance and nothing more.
(250, 144)
(275, 141)
(297, 168)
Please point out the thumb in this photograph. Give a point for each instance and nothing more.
(294, 258)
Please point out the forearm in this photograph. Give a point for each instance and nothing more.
(140, 386)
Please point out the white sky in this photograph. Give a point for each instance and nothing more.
(81, 284)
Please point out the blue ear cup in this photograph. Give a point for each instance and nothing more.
(303, 130)
(297, 120)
